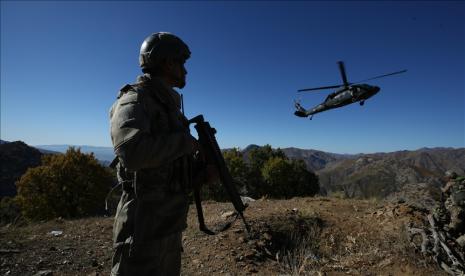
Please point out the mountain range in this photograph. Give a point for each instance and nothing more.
(101, 153)
(376, 175)
(381, 174)
(401, 175)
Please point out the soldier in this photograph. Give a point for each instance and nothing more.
(454, 192)
(152, 141)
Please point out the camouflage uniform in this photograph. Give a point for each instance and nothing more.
(452, 213)
(152, 140)
(455, 204)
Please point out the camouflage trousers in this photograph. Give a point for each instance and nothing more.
(151, 255)
(162, 258)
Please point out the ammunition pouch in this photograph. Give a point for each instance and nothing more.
(173, 178)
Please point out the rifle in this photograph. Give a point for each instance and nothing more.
(213, 156)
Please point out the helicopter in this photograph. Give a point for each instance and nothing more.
(346, 93)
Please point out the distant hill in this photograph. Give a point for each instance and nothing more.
(3, 142)
(44, 151)
(381, 174)
(314, 159)
(361, 175)
(103, 154)
(15, 159)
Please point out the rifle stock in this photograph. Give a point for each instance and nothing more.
(214, 157)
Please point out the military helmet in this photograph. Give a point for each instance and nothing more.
(451, 174)
(162, 45)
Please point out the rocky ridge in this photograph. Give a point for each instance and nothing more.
(382, 174)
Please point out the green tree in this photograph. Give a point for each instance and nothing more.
(237, 167)
(277, 175)
(284, 178)
(305, 183)
(258, 156)
(66, 185)
(256, 185)
(268, 172)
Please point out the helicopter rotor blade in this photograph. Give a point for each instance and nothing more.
(343, 73)
(382, 76)
(319, 88)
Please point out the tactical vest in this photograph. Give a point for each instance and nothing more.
(164, 117)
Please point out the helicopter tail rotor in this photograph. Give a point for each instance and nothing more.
(298, 106)
(300, 111)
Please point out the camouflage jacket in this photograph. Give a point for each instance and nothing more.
(151, 138)
(455, 190)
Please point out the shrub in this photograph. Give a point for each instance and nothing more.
(268, 172)
(256, 185)
(284, 178)
(277, 176)
(68, 185)
(236, 165)
(9, 210)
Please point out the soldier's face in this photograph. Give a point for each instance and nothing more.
(179, 72)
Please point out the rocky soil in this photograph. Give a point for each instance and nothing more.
(306, 236)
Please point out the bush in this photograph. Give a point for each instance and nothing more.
(268, 172)
(238, 169)
(68, 185)
(284, 178)
(277, 174)
(256, 185)
(9, 210)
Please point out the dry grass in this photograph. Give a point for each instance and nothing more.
(302, 258)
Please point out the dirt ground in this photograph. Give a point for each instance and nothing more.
(306, 236)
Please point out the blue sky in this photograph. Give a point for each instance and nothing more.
(63, 63)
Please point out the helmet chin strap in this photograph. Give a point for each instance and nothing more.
(182, 104)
